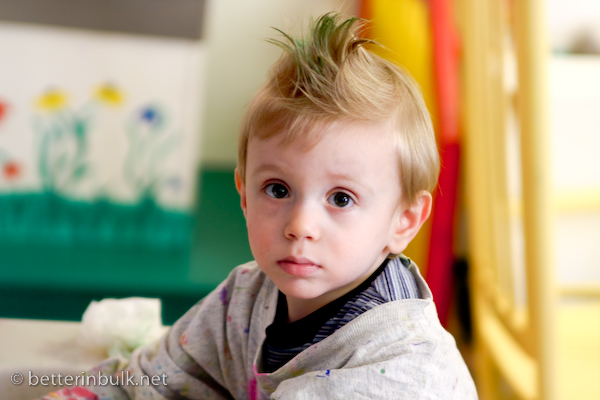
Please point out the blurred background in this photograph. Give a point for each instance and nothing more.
(118, 140)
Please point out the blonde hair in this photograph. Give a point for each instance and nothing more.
(330, 76)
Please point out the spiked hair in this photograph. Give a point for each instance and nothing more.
(329, 75)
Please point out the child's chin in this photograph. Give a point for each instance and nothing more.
(300, 292)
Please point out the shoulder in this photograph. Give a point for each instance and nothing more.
(421, 284)
(397, 347)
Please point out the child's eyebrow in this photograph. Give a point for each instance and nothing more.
(343, 177)
(275, 168)
(267, 168)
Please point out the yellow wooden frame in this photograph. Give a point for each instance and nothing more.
(505, 330)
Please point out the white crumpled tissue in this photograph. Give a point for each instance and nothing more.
(118, 326)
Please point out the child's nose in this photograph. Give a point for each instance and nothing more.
(302, 223)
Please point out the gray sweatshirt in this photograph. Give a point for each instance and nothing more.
(397, 350)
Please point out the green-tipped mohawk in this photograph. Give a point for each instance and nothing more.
(320, 55)
(317, 61)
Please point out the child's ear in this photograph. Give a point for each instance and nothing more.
(241, 188)
(408, 222)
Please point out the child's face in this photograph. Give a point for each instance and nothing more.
(320, 221)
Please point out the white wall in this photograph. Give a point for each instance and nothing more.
(575, 127)
(238, 60)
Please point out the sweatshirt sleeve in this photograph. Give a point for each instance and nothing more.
(158, 371)
(193, 360)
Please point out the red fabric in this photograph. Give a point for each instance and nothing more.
(441, 255)
(366, 9)
(75, 393)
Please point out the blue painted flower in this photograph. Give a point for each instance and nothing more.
(151, 116)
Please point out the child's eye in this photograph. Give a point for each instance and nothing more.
(276, 190)
(340, 199)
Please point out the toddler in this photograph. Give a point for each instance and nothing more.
(337, 160)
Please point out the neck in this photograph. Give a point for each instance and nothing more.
(300, 308)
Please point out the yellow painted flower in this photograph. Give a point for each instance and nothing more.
(109, 94)
(52, 100)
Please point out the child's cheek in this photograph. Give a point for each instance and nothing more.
(260, 235)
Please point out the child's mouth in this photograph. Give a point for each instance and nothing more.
(300, 267)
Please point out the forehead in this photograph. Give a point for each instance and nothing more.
(363, 150)
(303, 133)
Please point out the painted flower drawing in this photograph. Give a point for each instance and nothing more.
(52, 100)
(63, 141)
(109, 94)
(3, 110)
(99, 165)
(149, 146)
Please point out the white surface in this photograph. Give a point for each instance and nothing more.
(42, 347)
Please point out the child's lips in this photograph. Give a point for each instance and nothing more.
(300, 267)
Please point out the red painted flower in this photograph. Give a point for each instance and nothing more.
(11, 170)
(3, 109)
